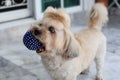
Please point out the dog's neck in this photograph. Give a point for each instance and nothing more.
(52, 62)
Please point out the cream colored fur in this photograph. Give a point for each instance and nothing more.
(66, 54)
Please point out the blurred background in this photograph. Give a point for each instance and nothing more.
(17, 16)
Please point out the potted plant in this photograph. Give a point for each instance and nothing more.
(103, 1)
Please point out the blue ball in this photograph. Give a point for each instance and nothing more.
(30, 41)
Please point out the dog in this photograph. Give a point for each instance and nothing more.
(64, 54)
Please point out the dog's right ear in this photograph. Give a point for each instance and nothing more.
(49, 9)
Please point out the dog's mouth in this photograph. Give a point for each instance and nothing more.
(41, 49)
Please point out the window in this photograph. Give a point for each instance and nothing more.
(60, 3)
(69, 3)
(71, 6)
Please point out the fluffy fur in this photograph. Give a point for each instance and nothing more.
(66, 55)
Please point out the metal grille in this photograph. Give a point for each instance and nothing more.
(10, 5)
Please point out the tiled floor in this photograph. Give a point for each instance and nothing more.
(10, 71)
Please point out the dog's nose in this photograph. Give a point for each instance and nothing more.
(37, 32)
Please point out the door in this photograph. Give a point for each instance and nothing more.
(69, 5)
(14, 9)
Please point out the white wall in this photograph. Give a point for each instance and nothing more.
(87, 4)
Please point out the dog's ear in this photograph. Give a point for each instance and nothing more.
(72, 48)
(59, 14)
(63, 13)
(49, 9)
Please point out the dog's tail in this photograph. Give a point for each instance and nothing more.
(98, 16)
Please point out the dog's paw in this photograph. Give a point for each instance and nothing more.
(99, 78)
(86, 71)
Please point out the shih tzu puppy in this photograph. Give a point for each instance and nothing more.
(64, 54)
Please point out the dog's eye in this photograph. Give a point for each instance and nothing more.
(40, 24)
(51, 29)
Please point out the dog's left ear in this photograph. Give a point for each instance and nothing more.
(72, 48)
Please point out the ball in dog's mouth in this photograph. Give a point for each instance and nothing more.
(32, 43)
